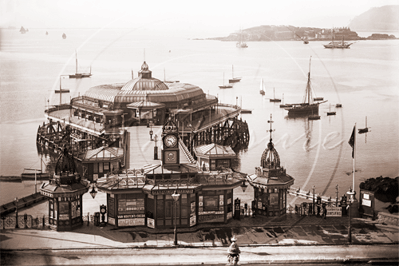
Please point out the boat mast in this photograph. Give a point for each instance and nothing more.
(76, 59)
(308, 92)
(60, 92)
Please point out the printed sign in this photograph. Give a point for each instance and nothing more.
(111, 220)
(193, 220)
(333, 211)
(366, 202)
(151, 223)
(131, 222)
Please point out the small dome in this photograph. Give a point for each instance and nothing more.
(144, 66)
(270, 158)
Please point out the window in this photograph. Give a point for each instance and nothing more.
(211, 203)
(95, 168)
(106, 167)
(100, 168)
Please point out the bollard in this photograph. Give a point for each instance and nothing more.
(25, 221)
(44, 221)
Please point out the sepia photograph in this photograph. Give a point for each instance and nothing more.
(199, 132)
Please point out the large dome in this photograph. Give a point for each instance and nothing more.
(146, 88)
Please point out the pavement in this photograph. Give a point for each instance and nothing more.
(282, 240)
(289, 230)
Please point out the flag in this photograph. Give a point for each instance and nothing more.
(352, 142)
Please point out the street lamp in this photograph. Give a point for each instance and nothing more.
(93, 192)
(243, 186)
(155, 147)
(175, 197)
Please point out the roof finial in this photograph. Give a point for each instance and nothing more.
(270, 130)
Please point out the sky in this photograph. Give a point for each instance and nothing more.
(202, 16)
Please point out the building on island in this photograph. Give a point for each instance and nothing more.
(270, 183)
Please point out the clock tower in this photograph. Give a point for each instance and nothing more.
(170, 143)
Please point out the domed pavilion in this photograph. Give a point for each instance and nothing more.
(270, 182)
(139, 101)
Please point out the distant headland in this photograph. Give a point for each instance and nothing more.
(292, 33)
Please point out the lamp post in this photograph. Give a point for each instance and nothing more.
(244, 186)
(351, 193)
(336, 199)
(313, 207)
(155, 147)
(16, 212)
(175, 197)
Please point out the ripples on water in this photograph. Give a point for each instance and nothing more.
(362, 78)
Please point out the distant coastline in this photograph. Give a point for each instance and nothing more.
(291, 33)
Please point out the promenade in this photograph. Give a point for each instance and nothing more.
(260, 239)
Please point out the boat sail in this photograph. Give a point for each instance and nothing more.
(337, 44)
(241, 43)
(308, 107)
(225, 86)
(22, 30)
(234, 79)
(78, 75)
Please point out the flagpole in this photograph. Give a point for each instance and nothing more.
(354, 158)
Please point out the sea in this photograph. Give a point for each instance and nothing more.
(364, 79)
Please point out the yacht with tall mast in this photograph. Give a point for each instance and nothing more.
(78, 75)
(308, 106)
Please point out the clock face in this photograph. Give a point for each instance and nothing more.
(170, 141)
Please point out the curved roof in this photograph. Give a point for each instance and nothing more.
(142, 84)
(145, 88)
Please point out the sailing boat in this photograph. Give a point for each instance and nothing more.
(330, 112)
(274, 99)
(308, 106)
(225, 86)
(64, 36)
(340, 45)
(61, 90)
(22, 30)
(364, 130)
(241, 43)
(164, 78)
(262, 91)
(78, 75)
(233, 79)
(285, 105)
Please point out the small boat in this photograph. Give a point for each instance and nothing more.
(284, 105)
(233, 79)
(61, 90)
(308, 107)
(164, 78)
(225, 86)
(316, 99)
(22, 30)
(364, 130)
(330, 112)
(246, 111)
(338, 105)
(274, 99)
(64, 36)
(262, 91)
(46, 33)
(78, 75)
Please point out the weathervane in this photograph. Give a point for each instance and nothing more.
(270, 130)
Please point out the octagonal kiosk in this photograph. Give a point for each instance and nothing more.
(64, 192)
(270, 183)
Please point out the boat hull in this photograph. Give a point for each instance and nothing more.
(275, 100)
(79, 76)
(303, 110)
(234, 80)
